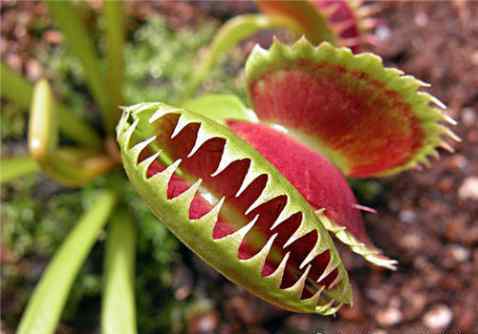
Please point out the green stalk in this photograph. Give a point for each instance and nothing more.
(20, 91)
(228, 36)
(65, 16)
(118, 310)
(114, 24)
(16, 167)
(46, 304)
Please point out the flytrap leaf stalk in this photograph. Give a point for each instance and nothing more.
(256, 197)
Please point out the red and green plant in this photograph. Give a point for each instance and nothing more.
(253, 191)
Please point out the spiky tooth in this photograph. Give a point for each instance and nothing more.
(180, 125)
(258, 261)
(138, 148)
(436, 101)
(434, 153)
(250, 176)
(278, 274)
(185, 198)
(209, 220)
(298, 286)
(144, 165)
(162, 111)
(382, 261)
(328, 309)
(316, 297)
(328, 269)
(265, 196)
(201, 138)
(364, 208)
(299, 233)
(314, 252)
(447, 147)
(450, 133)
(234, 240)
(283, 215)
(334, 282)
(227, 158)
(448, 119)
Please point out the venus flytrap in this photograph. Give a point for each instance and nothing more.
(259, 191)
(260, 210)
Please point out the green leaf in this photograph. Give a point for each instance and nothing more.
(145, 131)
(118, 309)
(220, 107)
(16, 167)
(115, 30)
(20, 91)
(231, 33)
(65, 16)
(46, 304)
(15, 87)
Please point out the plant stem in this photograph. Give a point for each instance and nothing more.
(118, 309)
(228, 36)
(20, 91)
(114, 24)
(46, 304)
(65, 16)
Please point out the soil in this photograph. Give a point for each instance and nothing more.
(428, 220)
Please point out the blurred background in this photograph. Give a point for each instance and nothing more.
(427, 220)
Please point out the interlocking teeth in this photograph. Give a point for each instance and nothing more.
(144, 165)
(450, 133)
(266, 195)
(298, 286)
(316, 297)
(227, 158)
(278, 274)
(449, 120)
(201, 138)
(260, 258)
(180, 125)
(250, 176)
(138, 148)
(330, 268)
(314, 252)
(209, 220)
(299, 233)
(447, 147)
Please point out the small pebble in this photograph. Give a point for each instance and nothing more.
(459, 253)
(469, 188)
(389, 316)
(439, 317)
(468, 117)
(407, 216)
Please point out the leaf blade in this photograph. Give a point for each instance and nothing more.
(46, 304)
(118, 305)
